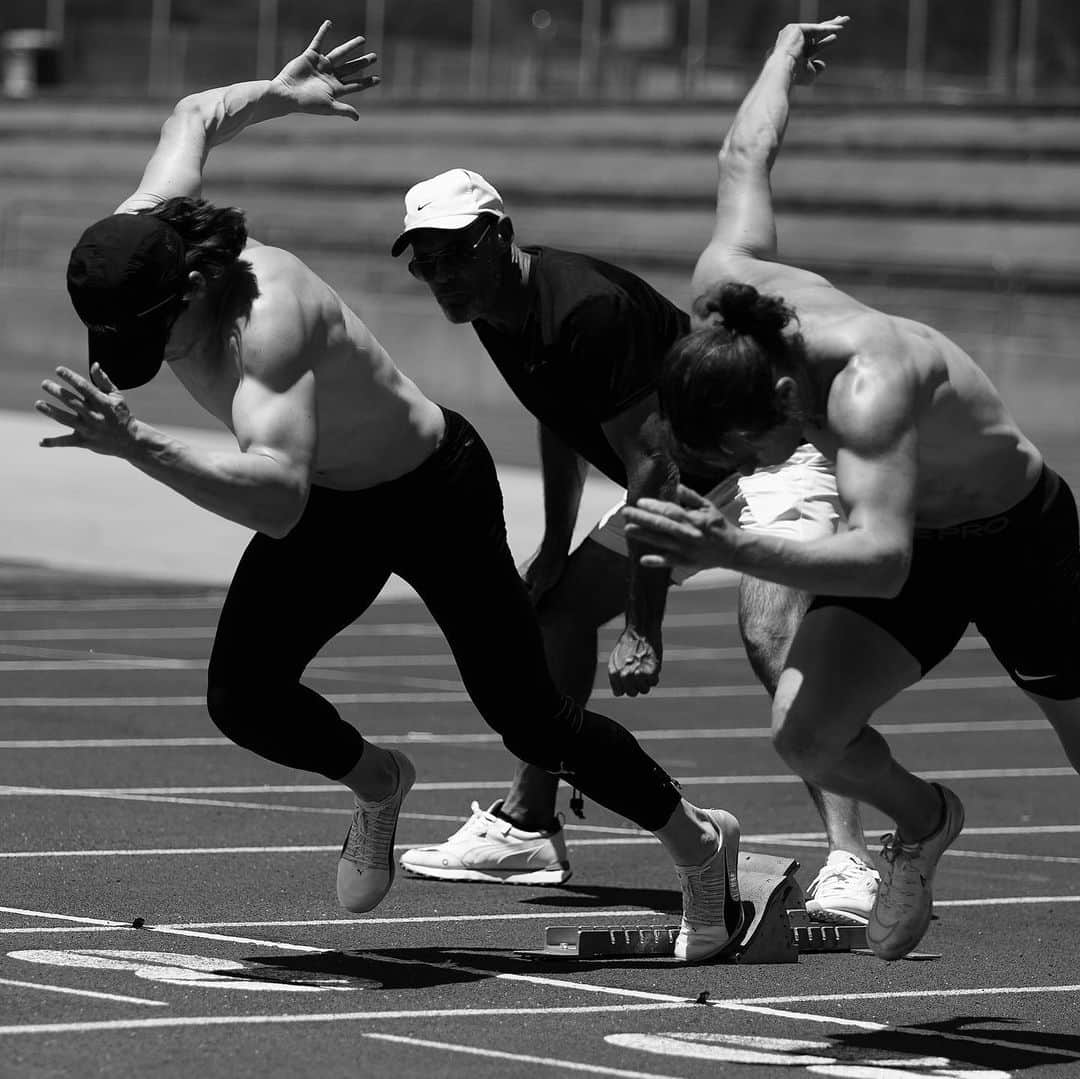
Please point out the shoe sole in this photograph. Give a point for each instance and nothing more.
(831, 916)
(477, 876)
(407, 775)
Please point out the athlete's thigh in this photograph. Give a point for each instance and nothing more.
(476, 595)
(1028, 605)
(289, 596)
(768, 610)
(842, 666)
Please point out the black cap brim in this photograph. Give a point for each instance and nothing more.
(130, 358)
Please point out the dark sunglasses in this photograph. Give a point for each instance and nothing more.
(427, 267)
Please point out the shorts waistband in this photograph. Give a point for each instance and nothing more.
(1023, 513)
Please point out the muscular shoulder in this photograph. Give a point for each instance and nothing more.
(875, 394)
(274, 341)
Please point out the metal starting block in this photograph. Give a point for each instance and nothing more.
(776, 927)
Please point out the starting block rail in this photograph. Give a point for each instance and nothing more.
(776, 927)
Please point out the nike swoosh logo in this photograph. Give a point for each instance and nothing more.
(423, 205)
(1033, 677)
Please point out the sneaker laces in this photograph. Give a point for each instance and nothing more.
(900, 856)
(371, 838)
(840, 873)
(703, 895)
(477, 824)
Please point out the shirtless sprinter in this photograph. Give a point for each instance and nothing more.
(342, 468)
(953, 517)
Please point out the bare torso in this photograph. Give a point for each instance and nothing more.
(973, 460)
(373, 424)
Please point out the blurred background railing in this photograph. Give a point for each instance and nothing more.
(1001, 50)
(933, 172)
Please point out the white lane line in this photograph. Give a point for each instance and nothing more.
(670, 693)
(79, 661)
(487, 784)
(1006, 901)
(627, 839)
(681, 734)
(831, 1020)
(325, 1017)
(519, 1058)
(111, 922)
(322, 923)
(901, 994)
(90, 925)
(213, 802)
(361, 629)
(83, 993)
(208, 601)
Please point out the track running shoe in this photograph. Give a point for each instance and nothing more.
(843, 892)
(712, 912)
(905, 898)
(488, 848)
(366, 867)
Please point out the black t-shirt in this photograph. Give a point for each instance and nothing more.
(590, 348)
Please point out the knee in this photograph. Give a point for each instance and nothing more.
(230, 708)
(799, 737)
(544, 741)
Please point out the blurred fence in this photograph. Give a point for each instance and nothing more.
(1022, 50)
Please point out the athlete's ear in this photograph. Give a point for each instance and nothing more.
(787, 391)
(196, 285)
(505, 230)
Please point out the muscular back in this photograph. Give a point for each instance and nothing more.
(972, 459)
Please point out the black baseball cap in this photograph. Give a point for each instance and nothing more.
(121, 277)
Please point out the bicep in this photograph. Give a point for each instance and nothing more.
(877, 463)
(279, 421)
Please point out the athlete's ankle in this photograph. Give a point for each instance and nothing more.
(942, 816)
(527, 821)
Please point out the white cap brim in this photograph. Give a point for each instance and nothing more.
(458, 221)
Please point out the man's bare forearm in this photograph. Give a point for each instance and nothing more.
(646, 597)
(227, 110)
(252, 489)
(757, 131)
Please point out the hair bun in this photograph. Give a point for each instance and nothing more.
(743, 309)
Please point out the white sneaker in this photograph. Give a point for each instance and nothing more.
(366, 867)
(488, 848)
(712, 912)
(844, 890)
(905, 899)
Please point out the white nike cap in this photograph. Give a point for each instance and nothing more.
(450, 200)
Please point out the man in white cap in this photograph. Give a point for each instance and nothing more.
(341, 466)
(580, 343)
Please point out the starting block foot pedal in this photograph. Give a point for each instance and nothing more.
(776, 927)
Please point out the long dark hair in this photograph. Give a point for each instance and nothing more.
(721, 378)
(214, 237)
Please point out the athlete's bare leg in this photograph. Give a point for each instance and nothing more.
(769, 617)
(841, 668)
